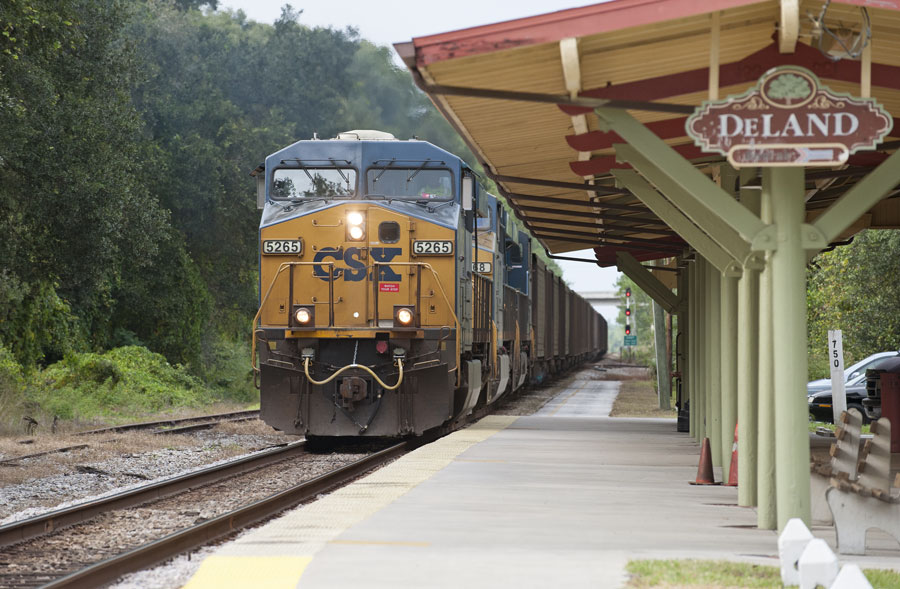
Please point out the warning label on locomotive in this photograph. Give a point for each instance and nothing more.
(389, 287)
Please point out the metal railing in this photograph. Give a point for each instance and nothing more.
(483, 304)
(289, 266)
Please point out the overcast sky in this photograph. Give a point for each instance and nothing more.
(392, 21)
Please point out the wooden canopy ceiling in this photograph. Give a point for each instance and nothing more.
(522, 93)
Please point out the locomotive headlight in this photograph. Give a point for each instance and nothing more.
(403, 316)
(304, 316)
(355, 226)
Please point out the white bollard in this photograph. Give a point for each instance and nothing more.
(851, 577)
(818, 565)
(791, 543)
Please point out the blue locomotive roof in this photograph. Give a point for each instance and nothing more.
(361, 154)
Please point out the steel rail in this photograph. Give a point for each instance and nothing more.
(170, 422)
(54, 520)
(160, 550)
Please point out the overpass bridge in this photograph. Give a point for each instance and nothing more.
(602, 299)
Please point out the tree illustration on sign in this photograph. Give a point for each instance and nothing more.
(789, 87)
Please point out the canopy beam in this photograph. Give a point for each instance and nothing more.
(649, 283)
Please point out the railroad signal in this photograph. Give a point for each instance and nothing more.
(627, 329)
(628, 312)
(628, 292)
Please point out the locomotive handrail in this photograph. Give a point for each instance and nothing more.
(418, 292)
(348, 367)
(494, 346)
(284, 266)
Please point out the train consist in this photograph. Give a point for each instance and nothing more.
(396, 295)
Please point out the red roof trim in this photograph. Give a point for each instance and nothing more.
(743, 71)
(554, 26)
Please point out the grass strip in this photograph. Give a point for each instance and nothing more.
(637, 398)
(722, 574)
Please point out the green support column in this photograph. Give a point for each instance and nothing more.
(684, 336)
(700, 268)
(747, 367)
(765, 472)
(728, 368)
(692, 346)
(789, 346)
(713, 371)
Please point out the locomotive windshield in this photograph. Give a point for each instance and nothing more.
(410, 183)
(313, 182)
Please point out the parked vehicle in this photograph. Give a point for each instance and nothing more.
(851, 373)
(821, 406)
(872, 402)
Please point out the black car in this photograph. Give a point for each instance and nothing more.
(820, 406)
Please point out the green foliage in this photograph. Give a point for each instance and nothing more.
(171, 325)
(73, 208)
(226, 368)
(12, 381)
(856, 289)
(127, 381)
(127, 214)
(38, 320)
(11, 378)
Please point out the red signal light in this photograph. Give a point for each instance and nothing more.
(627, 292)
(627, 329)
(628, 312)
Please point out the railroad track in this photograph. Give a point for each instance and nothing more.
(203, 533)
(185, 539)
(169, 426)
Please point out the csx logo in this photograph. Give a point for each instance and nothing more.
(356, 268)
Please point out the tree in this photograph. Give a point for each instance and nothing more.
(855, 288)
(71, 197)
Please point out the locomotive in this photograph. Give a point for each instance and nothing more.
(396, 293)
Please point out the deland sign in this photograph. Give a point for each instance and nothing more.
(789, 119)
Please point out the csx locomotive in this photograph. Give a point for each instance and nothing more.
(395, 293)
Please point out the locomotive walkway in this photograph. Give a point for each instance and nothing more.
(561, 498)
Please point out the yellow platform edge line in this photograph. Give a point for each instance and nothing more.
(240, 572)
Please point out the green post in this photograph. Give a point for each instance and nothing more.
(700, 269)
(728, 379)
(789, 346)
(691, 382)
(765, 472)
(713, 353)
(747, 355)
(682, 354)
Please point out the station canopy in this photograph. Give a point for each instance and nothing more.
(522, 95)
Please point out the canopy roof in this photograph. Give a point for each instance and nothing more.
(653, 58)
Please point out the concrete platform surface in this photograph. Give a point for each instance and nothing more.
(563, 498)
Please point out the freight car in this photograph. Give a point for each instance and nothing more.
(396, 294)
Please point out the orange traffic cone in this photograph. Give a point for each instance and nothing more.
(705, 469)
(733, 470)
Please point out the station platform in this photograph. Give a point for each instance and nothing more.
(565, 497)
